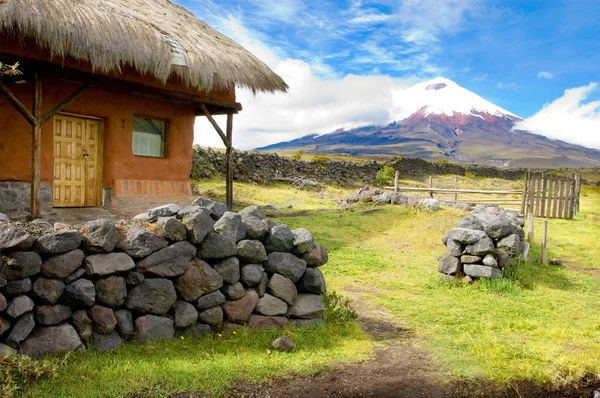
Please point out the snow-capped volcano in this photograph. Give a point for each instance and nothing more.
(439, 119)
(441, 96)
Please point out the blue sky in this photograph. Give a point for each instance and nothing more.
(519, 55)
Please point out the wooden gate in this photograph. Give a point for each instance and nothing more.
(550, 196)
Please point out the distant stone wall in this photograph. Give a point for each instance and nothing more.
(15, 198)
(170, 271)
(262, 167)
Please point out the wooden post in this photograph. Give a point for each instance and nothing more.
(455, 187)
(430, 186)
(544, 187)
(396, 178)
(549, 196)
(555, 198)
(545, 242)
(569, 199)
(229, 156)
(36, 152)
(538, 197)
(523, 199)
(561, 197)
(530, 194)
(530, 227)
(577, 191)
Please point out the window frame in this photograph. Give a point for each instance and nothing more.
(164, 140)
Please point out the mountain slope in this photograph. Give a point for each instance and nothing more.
(439, 119)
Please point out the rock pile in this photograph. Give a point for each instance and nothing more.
(483, 244)
(193, 271)
(367, 195)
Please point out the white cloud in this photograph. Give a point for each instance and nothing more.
(545, 75)
(568, 118)
(508, 86)
(479, 78)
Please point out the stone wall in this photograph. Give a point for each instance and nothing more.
(483, 244)
(262, 167)
(15, 198)
(169, 271)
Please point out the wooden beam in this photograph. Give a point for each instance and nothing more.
(66, 102)
(215, 125)
(36, 145)
(16, 103)
(229, 168)
(449, 190)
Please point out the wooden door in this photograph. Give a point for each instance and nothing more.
(77, 161)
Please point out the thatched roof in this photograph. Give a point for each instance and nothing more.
(150, 35)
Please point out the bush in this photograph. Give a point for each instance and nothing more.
(443, 161)
(470, 174)
(338, 308)
(298, 155)
(321, 161)
(385, 176)
(17, 371)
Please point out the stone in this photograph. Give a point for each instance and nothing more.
(107, 264)
(3, 303)
(430, 204)
(20, 330)
(283, 344)
(202, 201)
(3, 280)
(555, 261)
(124, 322)
(251, 251)
(261, 288)
(106, 342)
(365, 197)
(229, 269)
(251, 211)
(14, 238)
(52, 314)
(50, 340)
(4, 326)
(169, 262)
(234, 292)
(212, 316)
(454, 248)
(20, 265)
(163, 211)
(312, 282)
(481, 271)
(103, 319)
(490, 261)
(77, 274)
(19, 306)
(446, 278)
(279, 239)
(251, 274)
(83, 324)
(316, 257)
(466, 236)
(217, 246)
(99, 236)
(217, 210)
(171, 229)
(383, 199)
(271, 306)
(59, 242)
(468, 259)
(142, 217)
(480, 248)
(198, 331)
(199, 278)
(271, 207)
(256, 228)
(502, 257)
(211, 300)
(198, 224)
(140, 243)
(306, 323)
(258, 322)
(239, 311)
(6, 350)
(511, 244)
(498, 227)
(154, 296)
(134, 278)
(231, 225)
(307, 306)
(285, 264)
(80, 294)
(18, 287)
(4, 218)
(188, 210)
(467, 279)
(111, 291)
(62, 265)
(283, 288)
(184, 314)
(449, 265)
(151, 327)
(445, 240)
(471, 222)
(303, 240)
(48, 291)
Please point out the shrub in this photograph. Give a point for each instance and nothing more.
(17, 371)
(298, 155)
(385, 176)
(470, 174)
(443, 161)
(338, 308)
(321, 161)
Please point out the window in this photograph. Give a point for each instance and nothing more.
(149, 136)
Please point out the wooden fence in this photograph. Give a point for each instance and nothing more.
(550, 196)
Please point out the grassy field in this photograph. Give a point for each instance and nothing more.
(540, 324)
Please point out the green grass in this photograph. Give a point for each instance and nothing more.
(210, 365)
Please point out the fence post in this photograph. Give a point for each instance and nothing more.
(396, 177)
(530, 227)
(545, 242)
(455, 187)
(430, 186)
(524, 192)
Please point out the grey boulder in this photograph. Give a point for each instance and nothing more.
(217, 246)
(279, 239)
(231, 225)
(163, 211)
(229, 269)
(154, 296)
(240, 310)
(107, 264)
(449, 265)
(99, 236)
(14, 238)
(285, 264)
(271, 306)
(20, 330)
(198, 224)
(256, 228)
(184, 314)
(303, 240)
(106, 342)
(307, 306)
(139, 243)
(199, 278)
(312, 281)
(18, 287)
(235, 291)
(210, 300)
(466, 236)
(251, 274)
(151, 327)
(19, 306)
(283, 288)
(50, 340)
(171, 229)
(111, 291)
(212, 316)
(481, 271)
(103, 319)
(62, 265)
(80, 293)
(52, 314)
(48, 291)
(169, 262)
(480, 248)
(20, 265)
(124, 322)
(251, 251)
(59, 242)
(316, 257)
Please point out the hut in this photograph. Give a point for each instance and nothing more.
(103, 112)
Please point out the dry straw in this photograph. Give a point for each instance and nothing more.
(140, 33)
